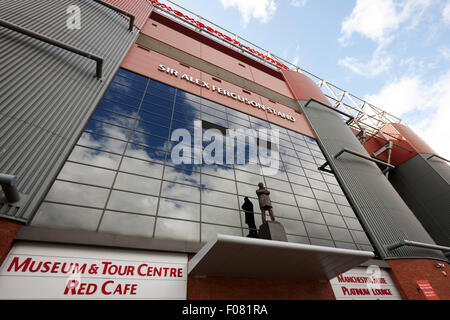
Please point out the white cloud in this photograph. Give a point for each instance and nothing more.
(445, 52)
(261, 10)
(378, 20)
(298, 3)
(380, 62)
(424, 103)
(446, 13)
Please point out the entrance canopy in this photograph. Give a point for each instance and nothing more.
(233, 256)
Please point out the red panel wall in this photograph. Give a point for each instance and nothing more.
(221, 288)
(406, 272)
(146, 63)
(8, 230)
(141, 9)
(176, 37)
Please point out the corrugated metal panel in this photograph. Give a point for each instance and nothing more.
(46, 93)
(141, 9)
(383, 213)
(429, 199)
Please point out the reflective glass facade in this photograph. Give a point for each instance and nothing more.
(120, 177)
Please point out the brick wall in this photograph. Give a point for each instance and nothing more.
(8, 230)
(224, 288)
(405, 273)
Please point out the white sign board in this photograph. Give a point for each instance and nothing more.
(47, 271)
(365, 283)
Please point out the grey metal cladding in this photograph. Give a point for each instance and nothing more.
(47, 94)
(425, 186)
(382, 212)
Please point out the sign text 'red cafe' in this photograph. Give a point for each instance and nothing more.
(217, 33)
(38, 271)
(224, 92)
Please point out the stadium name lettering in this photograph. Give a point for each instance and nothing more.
(224, 92)
(218, 33)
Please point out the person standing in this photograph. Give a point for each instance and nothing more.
(264, 202)
(250, 218)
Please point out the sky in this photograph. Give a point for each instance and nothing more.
(395, 54)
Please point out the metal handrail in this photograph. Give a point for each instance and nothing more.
(389, 166)
(110, 6)
(436, 156)
(56, 43)
(417, 244)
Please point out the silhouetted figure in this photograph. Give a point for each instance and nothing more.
(250, 218)
(264, 202)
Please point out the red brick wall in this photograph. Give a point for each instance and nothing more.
(8, 230)
(405, 273)
(223, 288)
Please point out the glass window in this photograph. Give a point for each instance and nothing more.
(127, 224)
(159, 101)
(149, 169)
(180, 191)
(340, 200)
(278, 185)
(118, 108)
(328, 207)
(247, 190)
(129, 182)
(340, 234)
(144, 153)
(126, 90)
(95, 157)
(360, 237)
(77, 194)
(353, 224)
(248, 177)
(307, 203)
(217, 215)
(323, 195)
(282, 197)
(220, 199)
(131, 202)
(113, 118)
(160, 86)
(102, 143)
(317, 231)
(212, 104)
(108, 130)
(210, 232)
(153, 118)
(302, 190)
(179, 175)
(334, 220)
(86, 174)
(177, 230)
(185, 95)
(178, 209)
(148, 140)
(321, 242)
(153, 108)
(293, 226)
(318, 184)
(218, 170)
(132, 75)
(312, 216)
(298, 179)
(285, 211)
(115, 96)
(152, 129)
(346, 211)
(126, 81)
(219, 184)
(67, 217)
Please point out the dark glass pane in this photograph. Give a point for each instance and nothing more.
(145, 153)
(126, 90)
(130, 83)
(152, 129)
(156, 109)
(189, 96)
(150, 117)
(118, 108)
(151, 141)
(115, 96)
(113, 118)
(161, 86)
(158, 101)
(107, 130)
(132, 75)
